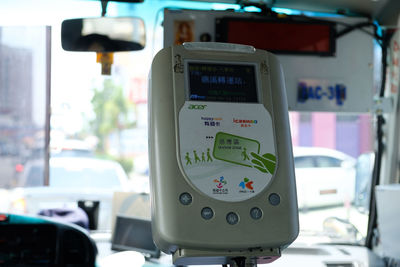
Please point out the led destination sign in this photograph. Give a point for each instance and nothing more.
(222, 82)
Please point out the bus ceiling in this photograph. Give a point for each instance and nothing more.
(384, 11)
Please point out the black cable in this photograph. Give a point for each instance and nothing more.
(372, 219)
(385, 43)
(360, 27)
(351, 28)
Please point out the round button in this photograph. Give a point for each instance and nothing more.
(274, 199)
(185, 199)
(232, 218)
(207, 213)
(256, 213)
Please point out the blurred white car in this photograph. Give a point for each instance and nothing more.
(72, 179)
(323, 177)
(71, 148)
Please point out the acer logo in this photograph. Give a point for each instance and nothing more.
(197, 106)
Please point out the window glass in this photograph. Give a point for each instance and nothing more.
(327, 162)
(105, 117)
(328, 182)
(304, 162)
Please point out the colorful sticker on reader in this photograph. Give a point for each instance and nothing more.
(227, 162)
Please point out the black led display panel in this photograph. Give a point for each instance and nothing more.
(222, 82)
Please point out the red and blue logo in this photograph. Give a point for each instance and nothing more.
(221, 182)
(247, 183)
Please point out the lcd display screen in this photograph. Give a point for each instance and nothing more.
(282, 36)
(222, 82)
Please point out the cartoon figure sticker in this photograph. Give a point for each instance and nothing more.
(194, 156)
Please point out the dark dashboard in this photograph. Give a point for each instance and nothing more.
(34, 241)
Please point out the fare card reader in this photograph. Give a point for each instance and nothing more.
(221, 164)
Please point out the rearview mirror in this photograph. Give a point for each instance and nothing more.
(103, 34)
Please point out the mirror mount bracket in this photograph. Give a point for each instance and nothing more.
(104, 4)
(106, 60)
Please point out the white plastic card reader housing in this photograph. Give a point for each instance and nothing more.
(221, 162)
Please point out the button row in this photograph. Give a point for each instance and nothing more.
(232, 218)
(186, 199)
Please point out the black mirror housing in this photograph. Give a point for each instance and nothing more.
(104, 34)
